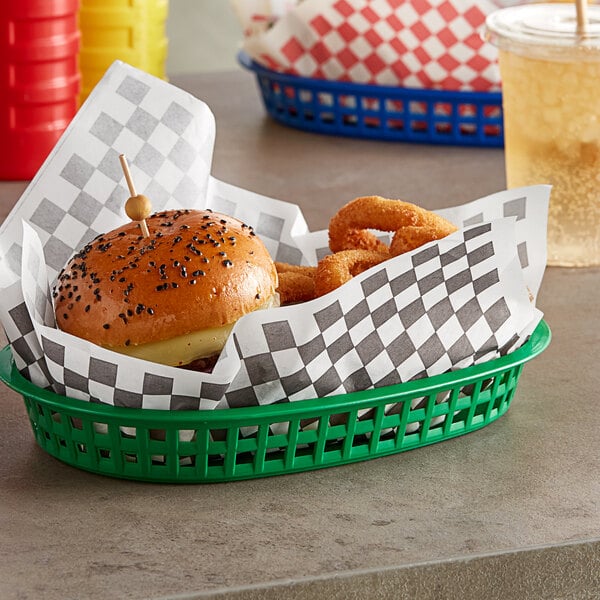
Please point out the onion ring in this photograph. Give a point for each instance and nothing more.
(296, 283)
(413, 225)
(336, 269)
(288, 268)
(295, 287)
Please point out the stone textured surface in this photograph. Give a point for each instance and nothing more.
(569, 571)
(408, 525)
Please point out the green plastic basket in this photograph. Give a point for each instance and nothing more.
(243, 443)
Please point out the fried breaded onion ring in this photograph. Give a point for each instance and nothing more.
(295, 287)
(282, 267)
(338, 268)
(296, 283)
(413, 225)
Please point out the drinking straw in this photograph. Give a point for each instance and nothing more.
(582, 19)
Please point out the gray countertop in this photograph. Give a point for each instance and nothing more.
(510, 511)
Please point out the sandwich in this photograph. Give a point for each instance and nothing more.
(172, 297)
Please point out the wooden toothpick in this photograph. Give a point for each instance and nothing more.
(138, 207)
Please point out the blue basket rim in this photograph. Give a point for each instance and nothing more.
(249, 63)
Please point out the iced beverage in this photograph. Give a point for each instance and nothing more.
(551, 101)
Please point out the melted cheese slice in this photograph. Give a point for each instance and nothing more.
(184, 349)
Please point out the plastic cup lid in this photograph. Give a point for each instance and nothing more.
(543, 24)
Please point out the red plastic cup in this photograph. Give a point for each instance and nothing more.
(39, 80)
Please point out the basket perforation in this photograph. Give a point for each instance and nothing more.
(450, 411)
(321, 438)
(377, 421)
(114, 450)
(494, 398)
(144, 458)
(350, 433)
(425, 421)
(262, 444)
(231, 451)
(290, 448)
(201, 446)
(87, 456)
(171, 452)
(71, 447)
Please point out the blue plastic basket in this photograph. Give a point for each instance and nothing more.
(380, 112)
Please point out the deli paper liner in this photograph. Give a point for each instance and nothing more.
(432, 44)
(447, 305)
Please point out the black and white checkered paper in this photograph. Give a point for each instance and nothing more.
(449, 304)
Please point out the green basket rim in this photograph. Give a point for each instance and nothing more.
(537, 343)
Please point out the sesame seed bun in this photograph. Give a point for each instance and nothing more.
(198, 270)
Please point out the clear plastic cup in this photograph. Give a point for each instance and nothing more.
(551, 103)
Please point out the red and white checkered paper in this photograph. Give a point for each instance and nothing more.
(433, 44)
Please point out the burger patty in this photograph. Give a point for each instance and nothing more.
(202, 365)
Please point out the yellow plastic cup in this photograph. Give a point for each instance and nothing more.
(133, 31)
